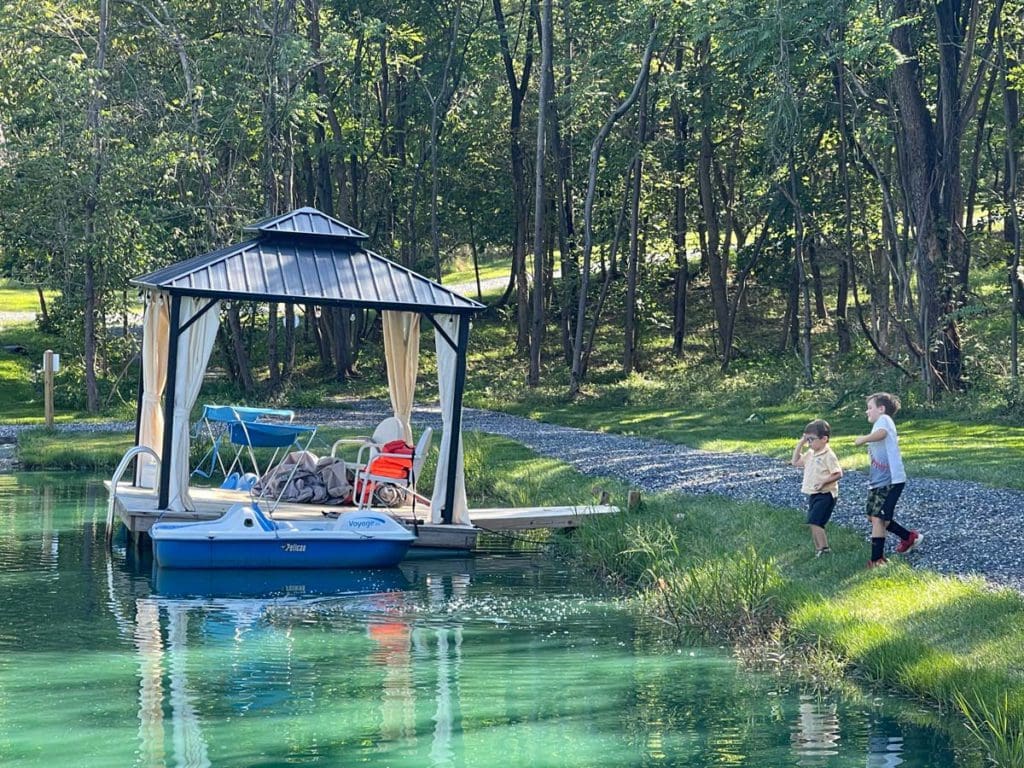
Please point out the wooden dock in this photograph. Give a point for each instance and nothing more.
(137, 510)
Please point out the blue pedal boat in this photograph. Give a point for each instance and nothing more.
(244, 537)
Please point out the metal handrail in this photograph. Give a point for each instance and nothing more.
(116, 478)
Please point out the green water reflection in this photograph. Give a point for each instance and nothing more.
(493, 661)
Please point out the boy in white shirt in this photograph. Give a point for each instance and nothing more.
(821, 479)
(886, 478)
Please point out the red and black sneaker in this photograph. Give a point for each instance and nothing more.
(911, 542)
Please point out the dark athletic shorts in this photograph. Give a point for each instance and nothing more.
(819, 508)
(882, 501)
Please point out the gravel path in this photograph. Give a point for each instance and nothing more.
(16, 317)
(969, 528)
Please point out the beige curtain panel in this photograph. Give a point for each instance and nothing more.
(402, 354)
(194, 347)
(155, 337)
(447, 359)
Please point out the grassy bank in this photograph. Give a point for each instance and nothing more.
(725, 569)
(42, 449)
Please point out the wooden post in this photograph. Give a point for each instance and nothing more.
(48, 387)
(633, 501)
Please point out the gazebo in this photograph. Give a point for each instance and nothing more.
(302, 257)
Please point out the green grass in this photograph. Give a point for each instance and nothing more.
(708, 561)
(21, 391)
(17, 392)
(940, 448)
(45, 449)
(488, 271)
(760, 406)
(14, 298)
(21, 387)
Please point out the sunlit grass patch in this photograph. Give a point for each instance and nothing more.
(45, 449)
(18, 298)
(17, 390)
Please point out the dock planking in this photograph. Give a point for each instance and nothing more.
(137, 510)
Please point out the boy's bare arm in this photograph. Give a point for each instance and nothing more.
(874, 437)
(833, 478)
(798, 453)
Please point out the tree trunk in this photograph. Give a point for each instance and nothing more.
(339, 342)
(715, 252)
(322, 329)
(563, 152)
(273, 353)
(810, 251)
(94, 122)
(629, 341)
(845, 344)
(801, 273)
(543, 103)
(517, 90)
(679, 185)
(930, 152)
(288, 362)
(1011, 118)
(438, 111)
(242, 365)
(44, 315)
(576, 377)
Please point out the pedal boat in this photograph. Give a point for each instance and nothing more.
(245, 538)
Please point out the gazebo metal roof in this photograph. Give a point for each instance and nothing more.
(307, 221)
(306, 257)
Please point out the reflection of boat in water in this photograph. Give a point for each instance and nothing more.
(246, 538)
(277, 582)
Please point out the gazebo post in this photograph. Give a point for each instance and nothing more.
(172, 376)
(456, 424)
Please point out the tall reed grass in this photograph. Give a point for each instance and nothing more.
(997, 727)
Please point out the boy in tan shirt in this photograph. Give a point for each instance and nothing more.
(821, 479)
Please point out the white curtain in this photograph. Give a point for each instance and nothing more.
(155, 336)
(402, 353)
(194, 347)
(447, 359)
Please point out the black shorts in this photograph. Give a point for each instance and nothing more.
(819, 508)
(882, 501)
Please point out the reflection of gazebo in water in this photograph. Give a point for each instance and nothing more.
(303, 257)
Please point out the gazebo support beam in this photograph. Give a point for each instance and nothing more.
(172, 378)
(456, 425)
(176, 329)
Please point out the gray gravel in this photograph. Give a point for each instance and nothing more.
(969, 528)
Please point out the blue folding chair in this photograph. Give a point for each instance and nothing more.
(247, 435)
(224, 425)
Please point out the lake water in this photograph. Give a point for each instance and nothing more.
(498, 660)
